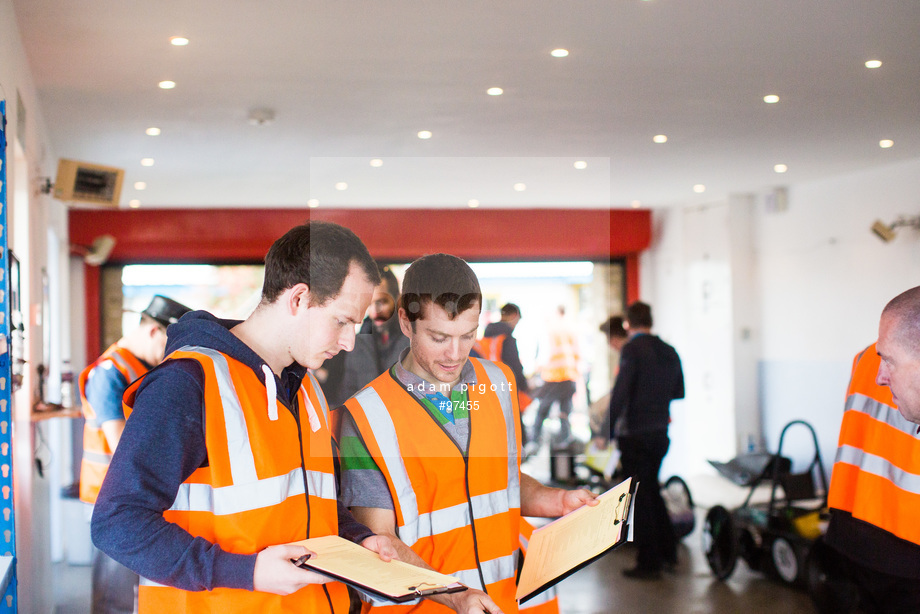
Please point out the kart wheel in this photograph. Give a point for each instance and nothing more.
(677, 499)
(719, 542)
(785, 561)
(830, 589)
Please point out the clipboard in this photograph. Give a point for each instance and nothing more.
(363, 570)
(574, 541)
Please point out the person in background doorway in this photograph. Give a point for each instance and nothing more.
(560, 374)
(101, 386)
(873, 498)
(378, 344)
(650, 377)
(203, 495)
(599, 412)
(499, 345)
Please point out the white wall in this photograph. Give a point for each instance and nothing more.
(824, 281)
(805, 286)
(29, 235)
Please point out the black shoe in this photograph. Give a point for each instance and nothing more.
(642, 573)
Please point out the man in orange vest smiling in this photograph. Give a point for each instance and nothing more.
(431, 448)
(874, 495)
(227, 455)
(101, 386)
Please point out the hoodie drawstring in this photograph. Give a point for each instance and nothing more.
(311, 411)
(271, 392)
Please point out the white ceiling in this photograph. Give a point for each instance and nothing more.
(352, 80)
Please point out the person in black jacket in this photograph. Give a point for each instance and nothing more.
(650, 377)
(378, 344)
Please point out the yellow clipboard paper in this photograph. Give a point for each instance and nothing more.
(364, 570)
(562, 547)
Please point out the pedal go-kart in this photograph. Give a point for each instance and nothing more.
(598, 470)
(781, 537)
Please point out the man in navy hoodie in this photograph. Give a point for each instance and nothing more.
(226, 456)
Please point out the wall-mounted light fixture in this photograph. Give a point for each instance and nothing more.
(886, 232)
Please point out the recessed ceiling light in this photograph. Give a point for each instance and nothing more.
(134, 203)
(559, 53)
(580, 165)
(780, 168)
(424, 134)
(313, 203)
(376, 162)
(140, 185)
(660, 138)
(261, 116)
(341, 186)
(635, 204)
(886, 143)
(153, 131)
(147, 161)
(873, 63)
(771, 98)
(167, 85)
(178, 41)
(473, 203)
(520, 187)
(699, 188)
(495, 91)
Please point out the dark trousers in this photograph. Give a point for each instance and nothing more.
(114, 586)
(641, 457)
(881, 593)
(555, 392)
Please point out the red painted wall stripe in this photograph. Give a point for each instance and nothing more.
(244, 235)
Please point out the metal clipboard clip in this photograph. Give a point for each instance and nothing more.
(422, 592)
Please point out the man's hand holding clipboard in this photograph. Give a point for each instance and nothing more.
(573, 541)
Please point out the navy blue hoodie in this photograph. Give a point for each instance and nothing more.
(162, 444)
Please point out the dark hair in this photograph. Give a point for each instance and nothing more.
(510, 309)
(613, 328)
(387, 277)
(905, 309)
(446, 280)
(639, 315)
(318, 254)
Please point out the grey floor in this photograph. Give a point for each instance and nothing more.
(600, 588)
(597, 589)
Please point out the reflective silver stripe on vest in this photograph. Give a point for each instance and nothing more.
(145, 582)
(881, 412)
(253, 496)
(496, 376)
(883, 468)
(496, 570)
(457, 516)
(97, 457)
(384, 431)
(242, 463)
(118, 359)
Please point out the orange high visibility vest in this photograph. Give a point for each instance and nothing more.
(490, 348)
(563, 357)
(459, 513)
(546, 602)
(96, 451)
(251, 494)
(876, 475)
